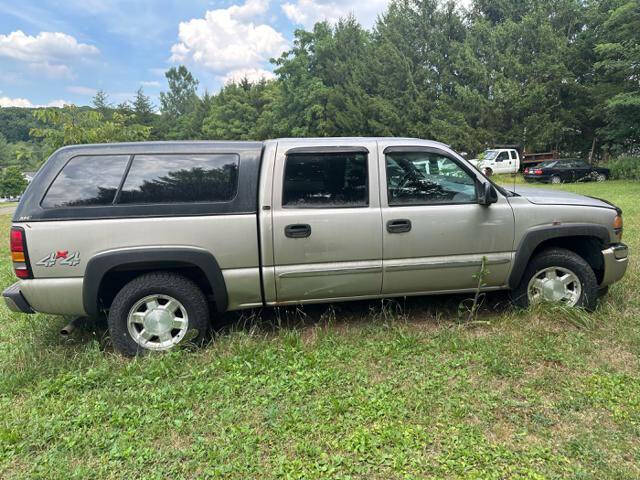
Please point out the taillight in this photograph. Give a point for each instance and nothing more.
(526, 170)
(537, 172)
(19, 254)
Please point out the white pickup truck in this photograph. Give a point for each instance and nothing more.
(499, 160)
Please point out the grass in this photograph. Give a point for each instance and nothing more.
(366, 390)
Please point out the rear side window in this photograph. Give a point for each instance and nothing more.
(180, 179)
(87, 181)
(325, 180)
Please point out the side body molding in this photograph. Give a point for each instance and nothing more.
(135, 258)
(535, 236)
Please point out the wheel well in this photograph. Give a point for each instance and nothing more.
(589, 248)
(116, 278)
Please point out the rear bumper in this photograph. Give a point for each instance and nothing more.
(15, 301)
(616, 260)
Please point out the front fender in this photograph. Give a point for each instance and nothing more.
(534, 237)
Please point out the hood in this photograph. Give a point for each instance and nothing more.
(542, 196)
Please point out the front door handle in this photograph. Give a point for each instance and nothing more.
(400, 225)
(297, 230)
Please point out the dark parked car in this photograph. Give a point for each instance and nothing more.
(559, 171)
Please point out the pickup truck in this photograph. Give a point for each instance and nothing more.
(162, 236)
(498, 160)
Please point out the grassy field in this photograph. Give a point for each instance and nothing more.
(366, 390)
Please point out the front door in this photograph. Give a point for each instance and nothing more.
(435, 233)
(327, 230)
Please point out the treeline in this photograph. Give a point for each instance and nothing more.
(549, 75)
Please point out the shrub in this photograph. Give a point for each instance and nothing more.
(625, 167)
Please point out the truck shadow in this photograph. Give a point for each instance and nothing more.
(428, 310)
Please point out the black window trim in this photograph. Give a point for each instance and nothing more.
(116, 205)
(425, 149)
(122, 180)
(325, 151)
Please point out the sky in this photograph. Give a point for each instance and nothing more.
(54, 52)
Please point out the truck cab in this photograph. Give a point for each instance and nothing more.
(499, 160)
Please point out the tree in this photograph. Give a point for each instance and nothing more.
(12, 182)
(182, 97)
(235, 113)
(100, 102)
(143, 108)
(617, 49)
(71, 125)
(5, 151)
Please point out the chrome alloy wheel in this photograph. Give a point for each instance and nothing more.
(157, 322)
(556, 180)
(555, 284)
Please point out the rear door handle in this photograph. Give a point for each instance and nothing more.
(400, 225)
(297, 230)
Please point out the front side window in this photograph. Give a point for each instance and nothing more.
(424, 178)
(325, 180)
(180, 179)
(87, 181)
(502, 157)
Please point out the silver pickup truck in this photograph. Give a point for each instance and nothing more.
(163, 235)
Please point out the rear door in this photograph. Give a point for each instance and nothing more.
(327, 229)
(581, 170)
(435, 232)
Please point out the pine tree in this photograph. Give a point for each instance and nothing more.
(100, 102)
(143, 108)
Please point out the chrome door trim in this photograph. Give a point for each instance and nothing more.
(407, 264)
(331, 270)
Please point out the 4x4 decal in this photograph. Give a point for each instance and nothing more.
(67, 259)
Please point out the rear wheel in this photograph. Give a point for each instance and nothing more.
(601, 177)
(157, 312)
(558, 276)
(556, 180)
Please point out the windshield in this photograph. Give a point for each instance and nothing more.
(490, 155)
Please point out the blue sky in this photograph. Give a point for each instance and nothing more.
(62, 51)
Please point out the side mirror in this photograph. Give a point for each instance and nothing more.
(487, 194)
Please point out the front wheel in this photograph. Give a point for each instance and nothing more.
(157, 312)
(556, 180)
(601, 177)
(558, 276)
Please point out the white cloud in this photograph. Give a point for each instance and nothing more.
(49, 47)
(48, 53)
(229, 39)
(151, 84)
(254, 75)
(24, 103)
(308, 12)
(79, 90)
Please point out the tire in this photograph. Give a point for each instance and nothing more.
(556, 180)
(564, 262)
(181, 314)
(601, 177)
